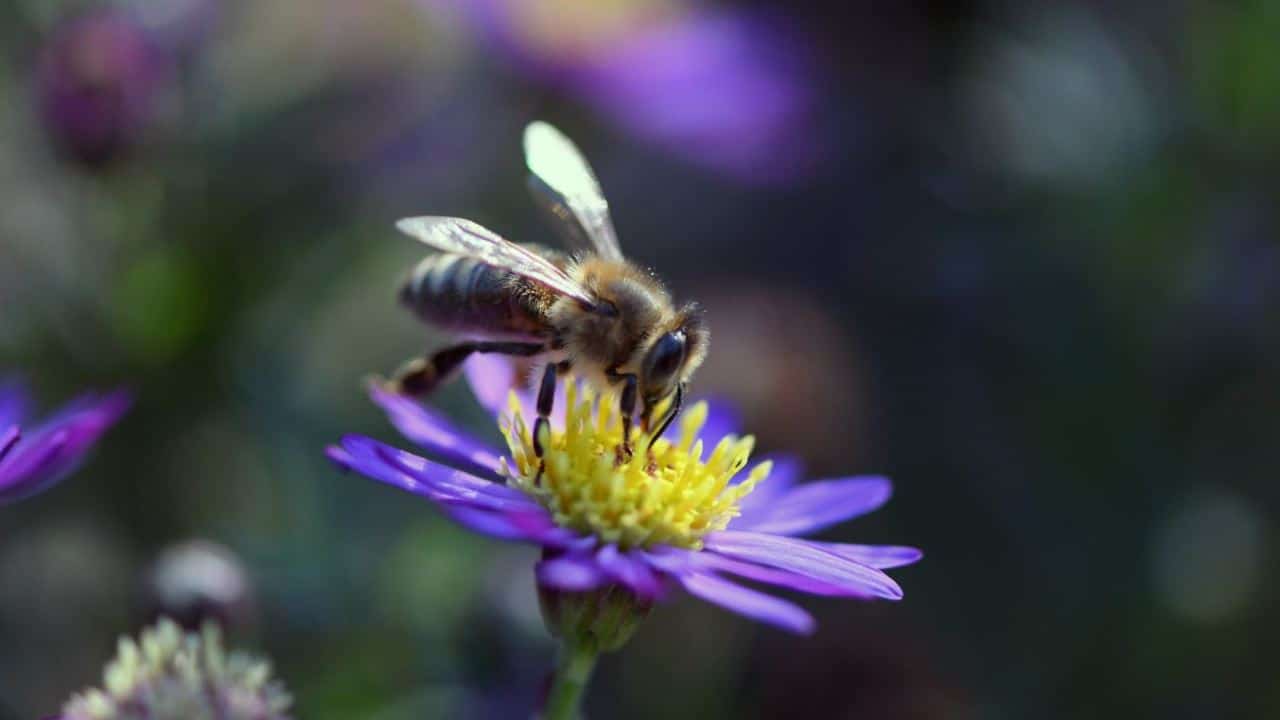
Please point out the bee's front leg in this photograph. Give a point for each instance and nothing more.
(627, 405)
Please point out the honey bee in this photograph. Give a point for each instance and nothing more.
(592, 311)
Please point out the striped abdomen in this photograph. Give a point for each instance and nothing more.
(464, 295)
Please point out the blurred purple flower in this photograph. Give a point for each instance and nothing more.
(759, 543)
(731, 91)
(33, 459)
(183, 27)
(98, 85)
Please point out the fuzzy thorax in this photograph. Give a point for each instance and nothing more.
(666, 493)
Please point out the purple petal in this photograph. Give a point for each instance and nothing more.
(876, 556)
(353, 456)
(493, 376)
(437, 482)
(515, 526)
(816, 505)
(571, 572)
(542, 529)
(748, 602)
(9, 438)
(675, 561)
(804, 558)
(340, 457)
(44, 455)
(32, 466)
(672, 560)
(786, 471)
(486, 507)
(532, 526)
(631, 570)
(773, 576)
(434, 433)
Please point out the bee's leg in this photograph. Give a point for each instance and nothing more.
(420, 376)
(627, 404)
(546, 402)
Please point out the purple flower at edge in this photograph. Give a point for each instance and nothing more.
(731, 90)
(33, 457)
(761, 544)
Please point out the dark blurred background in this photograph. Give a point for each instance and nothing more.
(1022, 257)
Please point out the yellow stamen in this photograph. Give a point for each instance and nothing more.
(664, 494)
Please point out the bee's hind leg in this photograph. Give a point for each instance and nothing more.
(420, 376)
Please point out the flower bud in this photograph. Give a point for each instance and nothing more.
(98, 85)
(607, 617)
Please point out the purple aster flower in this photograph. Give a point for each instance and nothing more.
(732, 91)
(98, 84)
(35, 457)
(618, 533)
(683, 511)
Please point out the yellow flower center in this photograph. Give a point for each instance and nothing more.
(664, 494)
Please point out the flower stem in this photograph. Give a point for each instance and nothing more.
(573, 671)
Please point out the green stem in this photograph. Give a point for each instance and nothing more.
(573, 671)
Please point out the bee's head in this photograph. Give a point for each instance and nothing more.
(671, 359)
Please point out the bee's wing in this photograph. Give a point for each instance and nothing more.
(464, 237)
(563, 184)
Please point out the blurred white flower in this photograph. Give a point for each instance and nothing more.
(1061, 100)
(1209, 555)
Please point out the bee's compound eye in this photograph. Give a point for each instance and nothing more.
(665, 358)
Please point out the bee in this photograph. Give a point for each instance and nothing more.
(591, 311)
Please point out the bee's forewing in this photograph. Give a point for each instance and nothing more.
(464, 237)
(564, 184)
